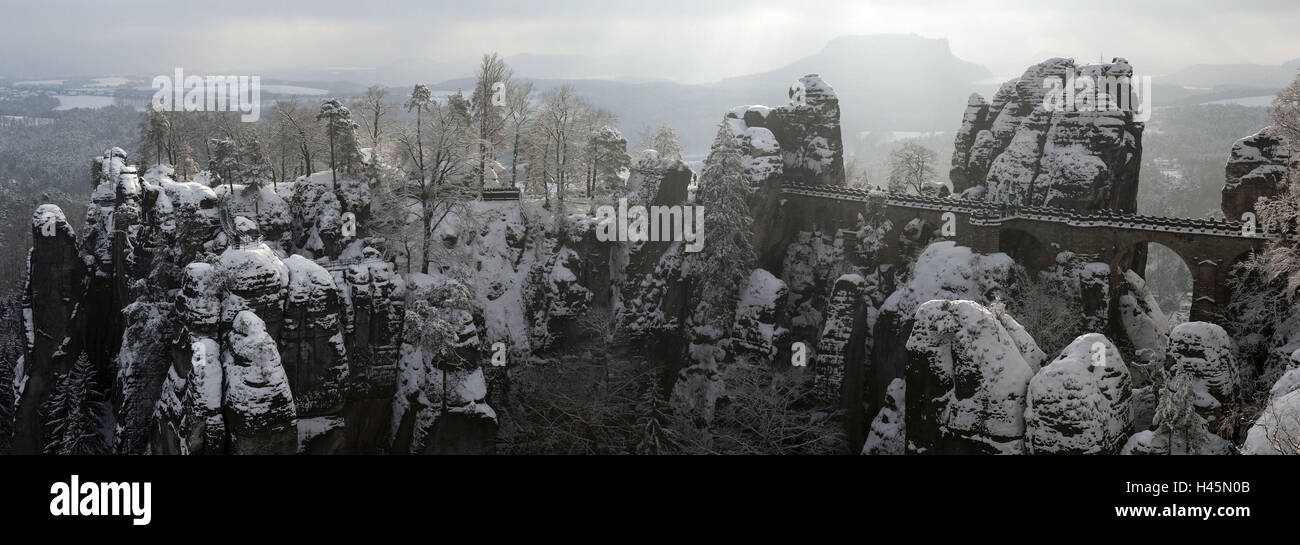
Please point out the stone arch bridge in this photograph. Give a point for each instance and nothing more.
(1033, 236)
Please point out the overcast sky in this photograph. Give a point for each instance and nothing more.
(688, 40)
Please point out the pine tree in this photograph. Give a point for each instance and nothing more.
(12, 349)
(654, 425)
(224, 161)
(608, 155)
(75, 413)
(254, 171)
(1176, 417)
(722, 268)
(156, 131)
(342, 133)
(55, 412)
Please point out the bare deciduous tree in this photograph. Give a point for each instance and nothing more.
(520, 111)
(488, 111)
(373, 107)
(911, 167)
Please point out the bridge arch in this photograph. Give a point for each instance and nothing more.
(1205, 269)
(1026, 249)
(1170, 280)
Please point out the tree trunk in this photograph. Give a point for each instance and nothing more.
(514, 162)
(482, 162)
(426, 219)
(334, 172)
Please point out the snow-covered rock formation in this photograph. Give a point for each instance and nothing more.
(1277, 429)
(651, 299)
(888, 434)
(49, 309)
(1199, 390)
(841, 343)
(1143, 324)
(1257, 167)
(219, 320)
(258, 406)
(440, 405)
(1081, 402)
(1011, 149)
(1205, 351)
(799, 142)
(757, 335)
(966, 382)
(944, 271)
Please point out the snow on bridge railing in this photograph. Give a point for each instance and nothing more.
(993, 213)
(340, 264)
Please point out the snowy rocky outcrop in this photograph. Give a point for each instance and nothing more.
(319, 231)
(1257, 167)
(1034, 356)
(267, 208)
(799, 142)
(1277, 429)
(759, 149)
(258, 407)
(557, 294)
(1081, 402)
(888, 434)
(312, 348)
(966, 382)
(1085, 280)
(1153, 442)
(55, 282)
(188, 418)
(440, 405)
(803, 135)
(143, 367)
(757, 336)
(658, 180)
(841, 343)
(1144, 326)
(372, 311)
(1199, 390)
(813, 263)
(651, 296)
(1010, 149)
(944, 271)
(1205, 351)
(206, 344)
(501, 249)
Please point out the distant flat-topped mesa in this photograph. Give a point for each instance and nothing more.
(1022, 150)
(799, 142)
(1257, 167)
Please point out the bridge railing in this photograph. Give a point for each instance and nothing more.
(993, 213)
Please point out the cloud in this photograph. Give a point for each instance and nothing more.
(687, 40)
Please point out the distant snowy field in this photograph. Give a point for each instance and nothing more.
(68, 102)
(293, 90)
(1262, 100)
